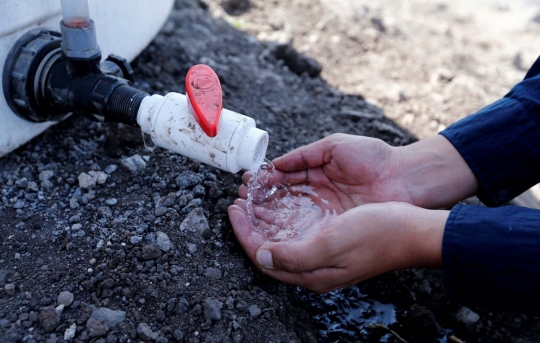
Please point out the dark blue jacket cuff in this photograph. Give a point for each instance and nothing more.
(491, 257)
(501, 142)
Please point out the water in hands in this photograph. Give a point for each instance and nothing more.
(283, 212)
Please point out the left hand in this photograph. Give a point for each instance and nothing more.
(363, 242)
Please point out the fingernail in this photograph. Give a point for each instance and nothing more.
(264, 258)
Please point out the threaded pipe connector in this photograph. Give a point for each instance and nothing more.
(123, 105)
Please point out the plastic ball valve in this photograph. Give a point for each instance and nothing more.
(198, 127)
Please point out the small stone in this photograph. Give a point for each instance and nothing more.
(188, 179)
(110, 316)
(135, 164)
(195, 222)
(192, 248)
(178, 335)
(199, 191)
(111, 168)
(145, 332)
(46, 175)
(163, 241)
(134, 240)
(76, 227)
(96, 327)
(111, 202)
(3, 275)
(212, 273)
(19, 204)
(212, 309)
(65, 298)
(9, 288)
(32, 186)
(466, 316)
(22, 183)
(86, 181)
(254, 310)
(60, 308)
(49, 319)
(151, 251)
(46, 185)
(69, 334)
(99, 176)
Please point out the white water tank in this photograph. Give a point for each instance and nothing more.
(124, 27)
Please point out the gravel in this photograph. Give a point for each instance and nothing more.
(65, 298)
(162, 263)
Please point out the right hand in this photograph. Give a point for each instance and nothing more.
(360, 170)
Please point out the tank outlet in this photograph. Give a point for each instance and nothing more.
(238, 145)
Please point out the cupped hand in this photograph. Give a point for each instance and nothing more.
(360, 243)
(346, 170)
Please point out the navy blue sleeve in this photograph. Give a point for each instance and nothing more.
(501, 142)
(491, 257)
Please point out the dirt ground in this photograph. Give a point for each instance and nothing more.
(106, 241)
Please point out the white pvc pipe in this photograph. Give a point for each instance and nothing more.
(238, 144)
(75, 12)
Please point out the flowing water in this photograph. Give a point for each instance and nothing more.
(283, 212)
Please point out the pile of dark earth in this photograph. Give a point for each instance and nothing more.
(104, 240)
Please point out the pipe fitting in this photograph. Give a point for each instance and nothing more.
(80, 42)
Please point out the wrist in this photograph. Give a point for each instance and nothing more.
(433, 173)
(424, 230)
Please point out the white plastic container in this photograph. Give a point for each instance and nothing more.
(124, 27)
(169, 121)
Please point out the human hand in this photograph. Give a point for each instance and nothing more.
(355, 170)
(356, 245)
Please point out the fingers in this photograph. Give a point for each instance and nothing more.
(249, 238)
(308, 156)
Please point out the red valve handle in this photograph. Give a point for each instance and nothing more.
(205, 97)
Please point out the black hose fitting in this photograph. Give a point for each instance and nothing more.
(42, 83)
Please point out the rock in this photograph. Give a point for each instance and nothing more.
(60, 308)
(166, 201)
(76, 227)
(99, 176)
(178, 335)
(188, 179)
(199, 191)
(466, 316)
(135, 164)
(163, 241)
(46, 185)
(212, 273)
(10, 336)
(182, 306)
(3, 275)
(135, 240)
(192, 248)
(151, 251)
(69, 334)
(32, 186)
(145, 332)
(49, 319)
(195, 222)
(111, 168)
(111, 202)
(111, 317)
(86, 181)
(46, 175)
(22, 183)
(254, 311)
(212, 309)
(96, 327)
(9, 288)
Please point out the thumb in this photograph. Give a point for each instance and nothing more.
(294, 257)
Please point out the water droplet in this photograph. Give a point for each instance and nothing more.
(148, 142)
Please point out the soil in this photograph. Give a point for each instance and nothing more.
(104, 240)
